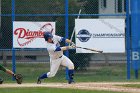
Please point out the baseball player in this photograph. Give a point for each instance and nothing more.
(18, 77)
(56, 56)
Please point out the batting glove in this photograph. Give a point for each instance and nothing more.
(73, 45)
(70, 47)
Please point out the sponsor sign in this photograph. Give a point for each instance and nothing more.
(30, 34)
(101, 34)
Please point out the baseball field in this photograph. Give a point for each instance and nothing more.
(103, 79)
(105, 72)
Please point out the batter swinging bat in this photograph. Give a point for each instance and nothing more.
(99, 51)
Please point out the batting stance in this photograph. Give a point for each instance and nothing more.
(18, 77)
(56, 56)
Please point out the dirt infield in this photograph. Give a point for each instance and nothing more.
(112, 86)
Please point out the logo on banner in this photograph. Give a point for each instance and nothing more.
(84, 35)
(26, 36)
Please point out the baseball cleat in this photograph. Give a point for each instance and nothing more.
(71, 81)
(38, 81)
(1, 81)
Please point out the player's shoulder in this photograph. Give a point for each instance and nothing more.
(56, 37)
(49, 45)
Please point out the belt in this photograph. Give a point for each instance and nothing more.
(57, 57)
(60, 56)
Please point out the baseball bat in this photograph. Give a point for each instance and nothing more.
(74, 27)
(77, 18)
(99, 51)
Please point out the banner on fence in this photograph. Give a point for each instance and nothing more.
(102, 34)
(30, 34)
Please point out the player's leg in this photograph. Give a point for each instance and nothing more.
(6, 70)
(54, 66)
(16, 76)
(2, 68)
(68, 63)
(1, 80)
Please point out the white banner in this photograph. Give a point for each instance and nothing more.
(107, 35)
(30, 34)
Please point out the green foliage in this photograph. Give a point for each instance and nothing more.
(6, 6)
(6, 31)
(40, 6)
(91, 7)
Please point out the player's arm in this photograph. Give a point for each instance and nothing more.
(62, 39)
(58, 48)
(64, 48)
(2, 68)
(6, 70)
(66, 40)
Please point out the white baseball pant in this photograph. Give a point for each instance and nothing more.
(55, 63)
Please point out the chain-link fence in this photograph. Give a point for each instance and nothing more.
(32, 62)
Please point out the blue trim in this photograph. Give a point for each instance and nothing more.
(97, 14)
(43, 76)
(5, 15)
(70, 72)
(13, 50)
(63, 39)
(58, 49)
(128, 46)
(64, 14)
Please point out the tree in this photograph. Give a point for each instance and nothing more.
(91, 7)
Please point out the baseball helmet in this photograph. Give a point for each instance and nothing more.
(47, 35)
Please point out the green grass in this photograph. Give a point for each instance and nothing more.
(49, 90)
(31, 71)
(131, 85)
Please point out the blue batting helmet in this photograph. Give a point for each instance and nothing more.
(47, 35)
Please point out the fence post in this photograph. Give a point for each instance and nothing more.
(128, 48)
(135, 20)
(66, 31)
(13, 50)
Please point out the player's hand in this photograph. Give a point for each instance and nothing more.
(73, 45)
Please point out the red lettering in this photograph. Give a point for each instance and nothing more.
(27, 34)
(21, 32)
